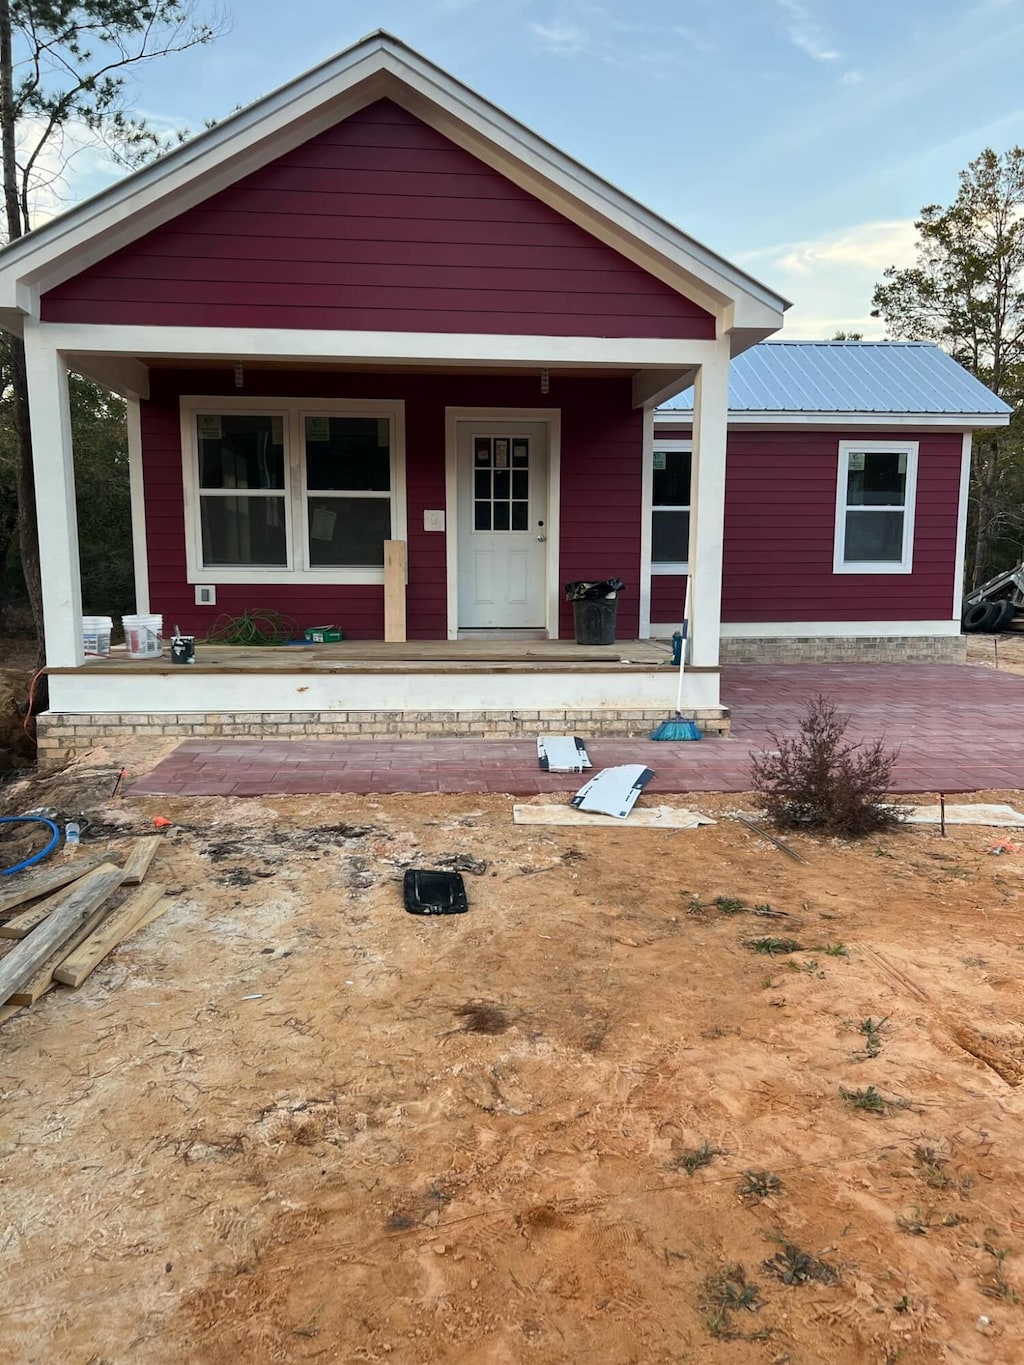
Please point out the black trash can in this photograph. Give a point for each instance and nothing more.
(594, 609)
(595, 621)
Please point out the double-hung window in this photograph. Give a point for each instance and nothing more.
(875, 501)
(670, 507)
(291, 490)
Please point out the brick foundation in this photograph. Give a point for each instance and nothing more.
(63, 734)
(866, 649)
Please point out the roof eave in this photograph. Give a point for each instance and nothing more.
(950, 421)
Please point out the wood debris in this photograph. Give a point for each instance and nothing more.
(62, 921)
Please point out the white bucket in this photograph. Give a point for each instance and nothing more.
(96, 635)
(142, 636)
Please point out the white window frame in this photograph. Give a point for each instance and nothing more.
(905, 564)
(293, 412)
(675, 566)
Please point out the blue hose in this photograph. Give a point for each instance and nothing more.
(36, 857)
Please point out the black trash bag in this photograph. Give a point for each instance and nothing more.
(588, 592)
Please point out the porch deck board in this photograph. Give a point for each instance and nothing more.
(415, 656)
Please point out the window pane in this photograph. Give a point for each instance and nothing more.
(520, 483)
(501, 516)
(502, 483)
(239, 531)
(351, 453)
(483, 483)
(876, 478)
(348, 530)
(240, 452)
(874, 537)
(672, 484)
(670, 537)
(520, 516)
(482, 516)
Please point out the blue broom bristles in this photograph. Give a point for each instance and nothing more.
(676, 728)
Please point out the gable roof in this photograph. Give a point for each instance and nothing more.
(880, 379)
(378, 66)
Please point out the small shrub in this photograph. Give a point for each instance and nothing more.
(692, 1161)
(759, 1184)
(723, 1294)
(872, 1031)
(730, 905)
(819, 780)
(772, 946)
(931, 1163)
(870, 1101)
(793, 1266)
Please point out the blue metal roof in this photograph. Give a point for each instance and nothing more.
(852, 376)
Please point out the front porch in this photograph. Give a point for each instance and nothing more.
(370, 689)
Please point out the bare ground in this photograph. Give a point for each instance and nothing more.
(339, 1170)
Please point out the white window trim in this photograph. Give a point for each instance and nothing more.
(905, 564)
(668, 567)
(293, 412)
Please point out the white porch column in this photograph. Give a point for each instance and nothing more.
(50, 414)
(707, 518)
(137, 487)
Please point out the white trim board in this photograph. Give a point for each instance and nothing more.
(137, 489)
(180, 691)
(552, 419)
(940, 421)
(379, 66)
(814, 630)
(960, 566)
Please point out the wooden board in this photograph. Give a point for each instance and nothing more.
(394, 591)
(26, 920)
(28, 886)
(641, 817)
(28, 956)
(74, 968)
(142, 854)
(41, 981)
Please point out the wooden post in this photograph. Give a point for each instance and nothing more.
(394, 590)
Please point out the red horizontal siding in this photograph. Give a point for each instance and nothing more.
(780, 526)
(600, 494)
(381, 223)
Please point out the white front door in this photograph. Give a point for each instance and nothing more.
(503, 525)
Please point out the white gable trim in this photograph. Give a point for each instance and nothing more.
(379, 66)
(943, 421)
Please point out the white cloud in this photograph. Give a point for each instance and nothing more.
(831, 278)
(568, 38)
(851, 78)
(804, 32)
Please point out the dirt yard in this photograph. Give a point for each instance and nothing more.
(267, 1128)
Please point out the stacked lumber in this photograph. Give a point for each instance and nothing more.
(59, 923)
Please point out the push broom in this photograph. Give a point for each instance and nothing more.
(677, 727)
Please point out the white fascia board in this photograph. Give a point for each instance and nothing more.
(942, 421)
(817, 630)
(376, 67)
(466, 349)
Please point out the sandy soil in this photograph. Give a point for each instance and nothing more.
(997, 651)
(337, 1169)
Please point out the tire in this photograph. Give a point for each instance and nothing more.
(977, 617)
(1006, 615)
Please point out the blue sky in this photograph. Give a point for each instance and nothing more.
(800, 138)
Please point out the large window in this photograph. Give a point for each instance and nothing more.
(875, 507)
(670, 507)
(291, 491)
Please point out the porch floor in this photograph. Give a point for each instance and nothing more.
(955, 726)
(413, 656)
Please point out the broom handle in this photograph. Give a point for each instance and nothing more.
(682, 651)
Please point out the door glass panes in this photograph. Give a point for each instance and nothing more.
(501, 483)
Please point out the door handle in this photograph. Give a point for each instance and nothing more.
(542, 537)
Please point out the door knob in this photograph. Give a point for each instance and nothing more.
(542, 537)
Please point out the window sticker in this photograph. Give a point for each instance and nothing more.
(322, 524)
(318, 428)
(659, 459)
(483, 450)
(521, 453)
(856, 461)
(902, 463)
(210, 427)
(500, 453)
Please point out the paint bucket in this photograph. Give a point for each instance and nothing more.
(96, 635)
(142, 636)
(183, 649)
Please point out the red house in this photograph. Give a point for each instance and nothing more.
(372, 317)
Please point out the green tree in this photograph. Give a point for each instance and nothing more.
(64, 69)
(966, 293)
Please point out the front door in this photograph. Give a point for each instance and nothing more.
(503, 525)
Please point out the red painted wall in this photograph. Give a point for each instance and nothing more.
(600, 494)
(780, 508)
(380, 223)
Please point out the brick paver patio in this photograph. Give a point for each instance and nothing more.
(958, 728)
